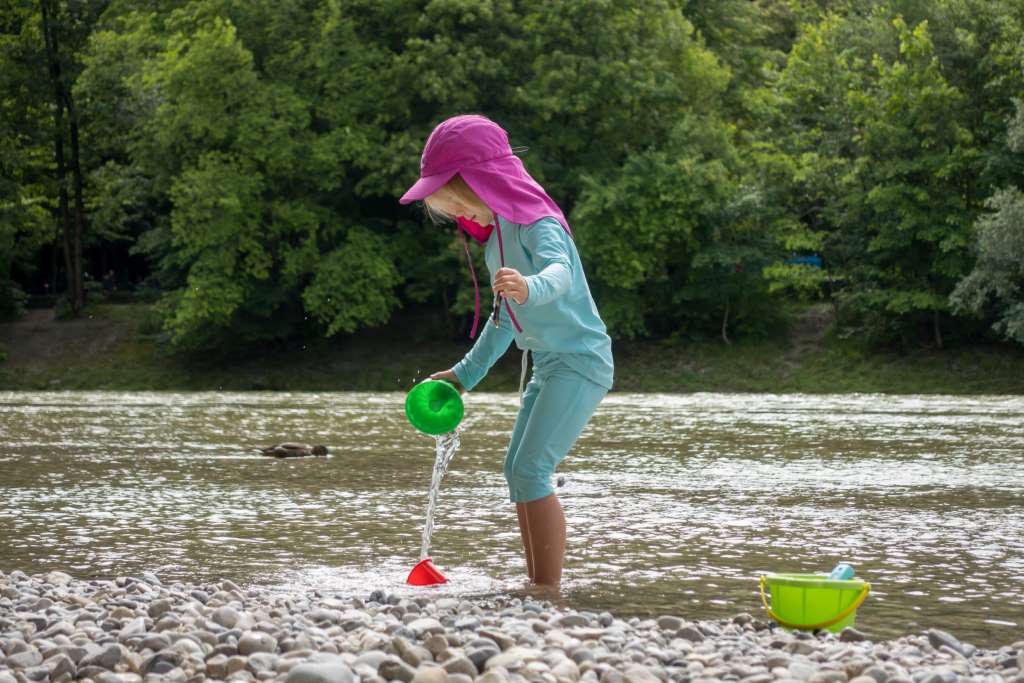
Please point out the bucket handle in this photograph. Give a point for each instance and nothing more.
(824, 624)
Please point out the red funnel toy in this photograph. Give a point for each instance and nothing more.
(425, 574)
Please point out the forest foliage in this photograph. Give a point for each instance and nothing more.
(252, 151)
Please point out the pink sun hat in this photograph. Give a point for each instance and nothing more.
(478, 149)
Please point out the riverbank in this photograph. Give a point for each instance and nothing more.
(56, 629)
(116, 347)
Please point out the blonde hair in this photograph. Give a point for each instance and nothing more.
(461, 191)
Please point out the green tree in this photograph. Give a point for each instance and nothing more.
(804, 146)
(647, 223)
(995, 287)
(25, 223)
(908, 191)
(245, 221)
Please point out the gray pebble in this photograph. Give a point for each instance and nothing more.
(59, 628)
(216, 667)
(24, 660)
(36, 673)
(467, 623)
(372, 659)
(59, 665)
(430, 674)
(111, 677)
(690, 633)
(878, 673)
(106, 658)
(572, 620)
(938, 638)
(611, 675)
(638, 673)
(256, 641)
(670, 623)
(828, 677)
(460, 664)
(851, 635)
(262, 661)
(225, 616)
(480, 655)
(392, 669)
(802, 670)
(492, 677)
(158, 608)
(502, 640)
(167, 622)
(136, 628)
(425, 625)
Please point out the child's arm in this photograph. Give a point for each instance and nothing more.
(548, 246)
(491, 345)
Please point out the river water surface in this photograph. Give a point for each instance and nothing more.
(674, 504)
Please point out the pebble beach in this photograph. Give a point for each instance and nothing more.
(55, 628)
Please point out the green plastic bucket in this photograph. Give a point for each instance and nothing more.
(434, 407)
(813, 601)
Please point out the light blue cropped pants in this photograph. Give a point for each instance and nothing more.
(557, 404)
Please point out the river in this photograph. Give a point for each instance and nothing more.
(675, 504)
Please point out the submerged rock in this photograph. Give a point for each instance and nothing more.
(293, 450)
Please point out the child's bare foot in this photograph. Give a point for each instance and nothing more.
(537, 591)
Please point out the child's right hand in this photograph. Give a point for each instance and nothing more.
(449, 376)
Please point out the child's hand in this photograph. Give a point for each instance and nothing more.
(449, 376)
(509, 283)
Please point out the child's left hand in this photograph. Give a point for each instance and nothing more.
(508, 282)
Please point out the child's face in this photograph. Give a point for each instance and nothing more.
(448, 202)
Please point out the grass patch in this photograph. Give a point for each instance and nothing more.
(389, 359)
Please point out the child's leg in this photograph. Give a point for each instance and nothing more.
(546, 524)
(559, 411)
(529, 396)
(524, 532)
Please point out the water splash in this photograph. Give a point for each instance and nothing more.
(444, 449)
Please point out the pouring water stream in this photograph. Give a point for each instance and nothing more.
(445, 447)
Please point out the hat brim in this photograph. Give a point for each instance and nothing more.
(426, 186)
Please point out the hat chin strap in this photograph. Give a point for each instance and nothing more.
(476, 231)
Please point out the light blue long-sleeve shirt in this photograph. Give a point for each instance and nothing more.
(559, 317)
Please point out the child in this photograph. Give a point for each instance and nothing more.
(469, 173)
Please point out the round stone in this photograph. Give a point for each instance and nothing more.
(256, 641)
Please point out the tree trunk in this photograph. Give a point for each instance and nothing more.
(53, 63)
(725, 324)
(76, 169)
(937, 329)
(72, 256)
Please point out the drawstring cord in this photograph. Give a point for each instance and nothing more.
(476, 287)
(522, 375)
